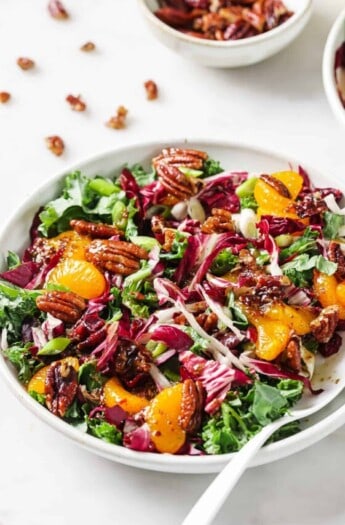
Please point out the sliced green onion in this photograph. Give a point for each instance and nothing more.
(246, 188)
(103, 186)
(55, 346)
(148, 243)
(189, 172)
(119, 215)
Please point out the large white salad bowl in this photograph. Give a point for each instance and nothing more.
(14, 236)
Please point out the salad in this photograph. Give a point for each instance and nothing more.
(339, 72)
(223, 20)
(177, 309)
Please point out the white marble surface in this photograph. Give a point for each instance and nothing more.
(280, 104)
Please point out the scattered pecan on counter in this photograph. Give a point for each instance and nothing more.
(87, 47)
(57, 10)
(119, 120)
(4, 97)
(76, 103)
(66, 306)
(94, 229)
(151, 90)
(25, 63)
(191, 406)
(55, 144)
(324, 326)
(116, 256)
(61, 387)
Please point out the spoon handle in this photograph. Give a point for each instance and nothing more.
(214, 496)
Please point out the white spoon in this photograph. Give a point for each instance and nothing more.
(331, 377)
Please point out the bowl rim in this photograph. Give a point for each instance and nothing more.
(148, 460)
(328, 67)
(243, 42)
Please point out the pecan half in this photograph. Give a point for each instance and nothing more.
(190, 158)
(25, 63)
(220, 222)
(66, 306)
(4, 97)
(76, 103)
(96, 230)
(151, 90)
(55, 144)
(119, 120)
(61, 386)
(336, 255)
(116, 256)
(175, 182)
(191, 406)
(324, 326)
(87, 47)
(292, 354)
(276, 184)
(131, 360)
(57, 10)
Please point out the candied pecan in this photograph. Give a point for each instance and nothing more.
(61, 387)
(310, 205)
(4, 97)
(55, 144)
(119, 120)
(324, 326)
(57, 10)
(131, 360)
(93, 229)
(263, 289)
(336, 255)
(169, 237)
(25, 63)
(220, 222)
(276, 184)
(76, 103)
(175, 182)
(116, 256)
(191, 406)
(207, 321)
(190, 158)
(176, 17)
(151, 90)
(292, 354)
(89, 332)
(88, 46)
(66, 306)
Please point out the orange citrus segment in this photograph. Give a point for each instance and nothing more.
(163, 420)
(292, 180)
(115, 394)
(81, 277)
(38, 380)
(327, 292)
(273, 336)
(74, 245)
(340, 293)
(269, 198)
(296, 318)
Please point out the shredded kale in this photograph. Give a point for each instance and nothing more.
(101, 429)
(332, 223)
(249, 201)
(224, 262)
(16, 306)
(142, 176)
(25, 363)
(211, 167)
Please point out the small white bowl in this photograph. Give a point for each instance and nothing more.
(335, 38)
(15, 236)
(232, 53)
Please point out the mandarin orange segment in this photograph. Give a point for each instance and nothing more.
(296, 318)
(340, 293)
(75, 244)
(38, 380)
(80, 277)
(325, 288)
(115, 394)
(273, 336)
(269, 199)
(163, 420)
(292, 180)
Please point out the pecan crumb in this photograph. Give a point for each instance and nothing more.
(76, 103)
(88, 46)
(119, 120)
(4, 97)
(151, 90)
(219, 222)
(25, 63)
(55, 144)
(57, 10)
(191, 406)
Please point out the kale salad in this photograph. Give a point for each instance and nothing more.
(177, 309)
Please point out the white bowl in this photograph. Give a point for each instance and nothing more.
(15, 237)
(232, 53)
(335, 38)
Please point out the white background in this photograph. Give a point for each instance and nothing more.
(279, 104)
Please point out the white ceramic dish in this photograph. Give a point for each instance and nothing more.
(14, 236)
(335, 38)
(233, 53)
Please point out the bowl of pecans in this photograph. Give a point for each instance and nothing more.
(163, 302)
(224, 34)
